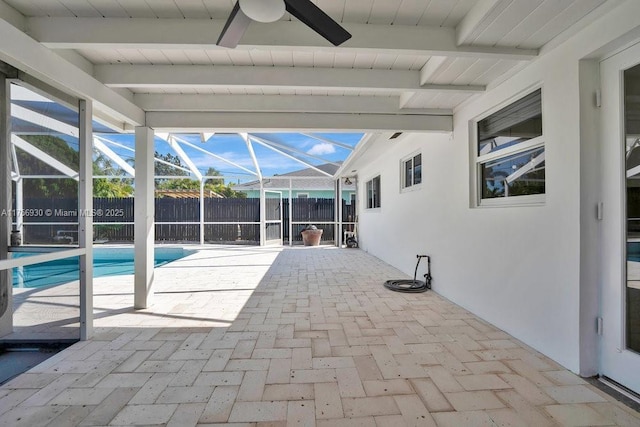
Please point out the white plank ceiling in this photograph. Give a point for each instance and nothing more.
(431, 55)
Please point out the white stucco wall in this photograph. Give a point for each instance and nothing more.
(518, 267)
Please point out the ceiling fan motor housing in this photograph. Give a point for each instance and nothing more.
(263, 10)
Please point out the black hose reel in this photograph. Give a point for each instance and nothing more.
(408, 285)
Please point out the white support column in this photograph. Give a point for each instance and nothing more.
(356, 213)
(6, 292)
(144, 218)
(202, 211)
(338, 214)
(263, 215)
(85, 219)
(290, 212)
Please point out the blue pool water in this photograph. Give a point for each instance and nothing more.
(633, 251)
(106, 262)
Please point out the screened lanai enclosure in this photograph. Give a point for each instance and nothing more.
(70, 172)
(209, 188)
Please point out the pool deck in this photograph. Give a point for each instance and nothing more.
(46, 313)
(295, 336)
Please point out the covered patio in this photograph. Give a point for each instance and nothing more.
(498, 139)
(305, 336)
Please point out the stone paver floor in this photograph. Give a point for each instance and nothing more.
(302, 336)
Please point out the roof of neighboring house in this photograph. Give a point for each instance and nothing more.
(329, 168)
(321, 182)
(187, 194)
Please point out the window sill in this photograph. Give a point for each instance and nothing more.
(515, 201)
(415, 187)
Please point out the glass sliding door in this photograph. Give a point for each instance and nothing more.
(631, 79)
(45, 164)
(620, 241)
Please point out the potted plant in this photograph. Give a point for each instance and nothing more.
(311, 235)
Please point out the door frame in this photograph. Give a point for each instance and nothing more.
(268, 222)
(615, 361)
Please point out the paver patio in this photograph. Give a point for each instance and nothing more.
(296, 336)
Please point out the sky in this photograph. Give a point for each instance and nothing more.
(233, 148)
(35, 114)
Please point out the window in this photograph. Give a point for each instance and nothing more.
(373, 193)
(303, 195)
(510, 153)
(412, 171)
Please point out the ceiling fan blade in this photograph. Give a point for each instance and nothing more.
(317, 20)
(234, 28)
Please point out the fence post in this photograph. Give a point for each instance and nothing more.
(290, 212)
(338, 213)
(263, 215)
(202, 211)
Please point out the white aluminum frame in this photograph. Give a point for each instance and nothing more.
(84, 176)
(403, 184)
(265, 222)
(477, 160)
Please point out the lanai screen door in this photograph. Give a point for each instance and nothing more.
(273, 231)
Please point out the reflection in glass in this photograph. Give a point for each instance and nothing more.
(514, 124)
(408, 173)
(632, 141)
(515, 175)
(373, 193)
(412, 171)
(417, 166)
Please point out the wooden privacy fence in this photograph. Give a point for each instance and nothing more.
(228, 221)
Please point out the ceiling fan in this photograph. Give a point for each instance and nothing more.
(311, 15)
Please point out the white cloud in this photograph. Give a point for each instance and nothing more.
(322, 148)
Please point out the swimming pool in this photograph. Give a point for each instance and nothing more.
(106, 262)
(633, 251)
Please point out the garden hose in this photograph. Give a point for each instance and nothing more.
(408, 285)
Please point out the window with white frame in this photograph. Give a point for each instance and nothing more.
(412, 171)
(373, 193)
(510, 163)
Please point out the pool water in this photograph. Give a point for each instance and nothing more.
(633, 251)
(106, 262)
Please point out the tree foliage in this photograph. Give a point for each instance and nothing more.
(211, 184)
(110, 187)
(228, 191)
(169, 165)
(60, 150)
(117, 186)
(30, 165)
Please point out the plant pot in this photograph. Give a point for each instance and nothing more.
(311, 237)
(16, 238)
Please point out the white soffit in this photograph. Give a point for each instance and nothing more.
(408, 64)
